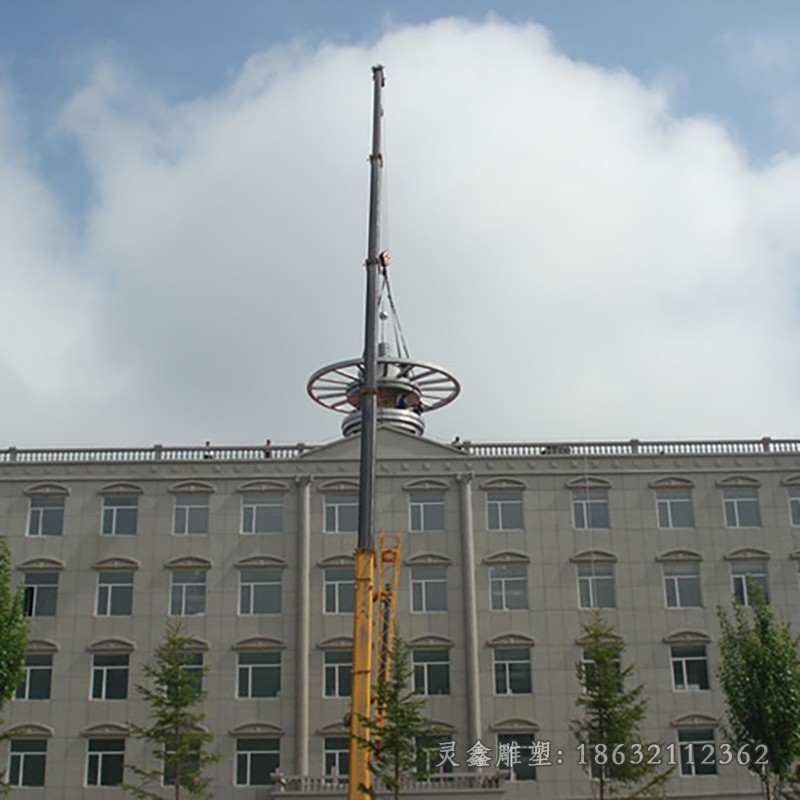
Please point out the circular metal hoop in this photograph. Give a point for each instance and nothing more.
(334, 386)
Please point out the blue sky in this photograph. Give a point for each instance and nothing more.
(603, 192)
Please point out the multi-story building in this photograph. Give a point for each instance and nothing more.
(506, 548)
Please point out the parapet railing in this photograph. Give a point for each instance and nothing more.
(632, 447)
(309, 786)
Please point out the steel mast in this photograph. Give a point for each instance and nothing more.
(361, 687)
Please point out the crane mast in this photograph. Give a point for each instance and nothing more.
(361, 685)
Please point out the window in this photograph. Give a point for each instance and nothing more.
(794, 504)
(259, 675)
(431, 672)
(336, 754)
(682, 585)
(46, 517)
(110, 676)
(504, 510)
(338, 665)
(429, 755)
(188, 764)
(512, 670)
(120, 515)
(514, 751)
(114, 594)
(339, 590)
(674, 508)
(105, 762)
(27, 761)
(590, 508)
(188, 592)
(427, 511)
(260, 591)
(590, 677)
(256, 761)
(193, 667)
(341, 513)
(757, 570)
(697, 751)
(596, 585)
(191, 513)
(262, 513)
(429, 589)
(689, 667)
(41, 594)
(508, 585)
(741, 507)
(35, 685)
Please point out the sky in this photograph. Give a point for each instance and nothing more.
(591, 208)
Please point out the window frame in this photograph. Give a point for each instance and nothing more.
(259, 515)
(734, 499)
(793, 496)
(182, 586)
(191, 513)
(337, 673)
(591, 581)
(101, 760)
(40, 518)
(337, 504)
(504, 509)
(426, 511)
(24, 760)
(740, 569)
(525, 740)
(249, 674)
(253, 591)
(340, 591)
(428, 588)
(36, 678)
(595, 501)
(681, 583)
(107, 678)
(686, 658)
(689, 767)
(499, 587)
(335, 757)
(41, 595)
(429, 672)
(243, 763)
(109, 592)
(503, 661)
(670, 498)
(114, 518)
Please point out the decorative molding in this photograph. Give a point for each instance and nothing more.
(426, 485)
(511, 640)
(594, 557)
(260, 562)
(258, 643)
(588, 482)
(111, 645)
(738, 482)
(687, 637)
(333, 729)
(42, 646)
(189, 562)
(431, 641)
(120, 488)
(262, 487)
(791, 480)
(196, 645)
(336, 643)
(507, 557)
(340, 560)
(256, 729)
(339, 486)
(428, 559)
(117, 563)
(106, 729)
(671, 482)
(191, 487)
(503, 484)
(47, 490)
(694, 720)
(41, 564)
(515, 725)
(29, 730)
(747, 554)
(679, 554)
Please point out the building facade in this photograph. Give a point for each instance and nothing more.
(506, 549)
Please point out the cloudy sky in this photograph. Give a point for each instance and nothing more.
(592, 209)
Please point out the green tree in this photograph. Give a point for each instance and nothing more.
(608, 732)
(397, 745)
(759, 672)
(13, 635)
(178, 742)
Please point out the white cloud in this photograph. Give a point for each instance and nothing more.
(588, 263)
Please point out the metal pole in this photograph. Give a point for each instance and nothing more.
(366, 485)
(361, 683)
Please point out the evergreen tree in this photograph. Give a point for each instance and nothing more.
(759, 672)
(394, 741)
(608, 733)
(178, 743)
(13, 636)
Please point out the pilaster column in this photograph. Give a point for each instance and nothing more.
(470, 608)
(302, 650)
